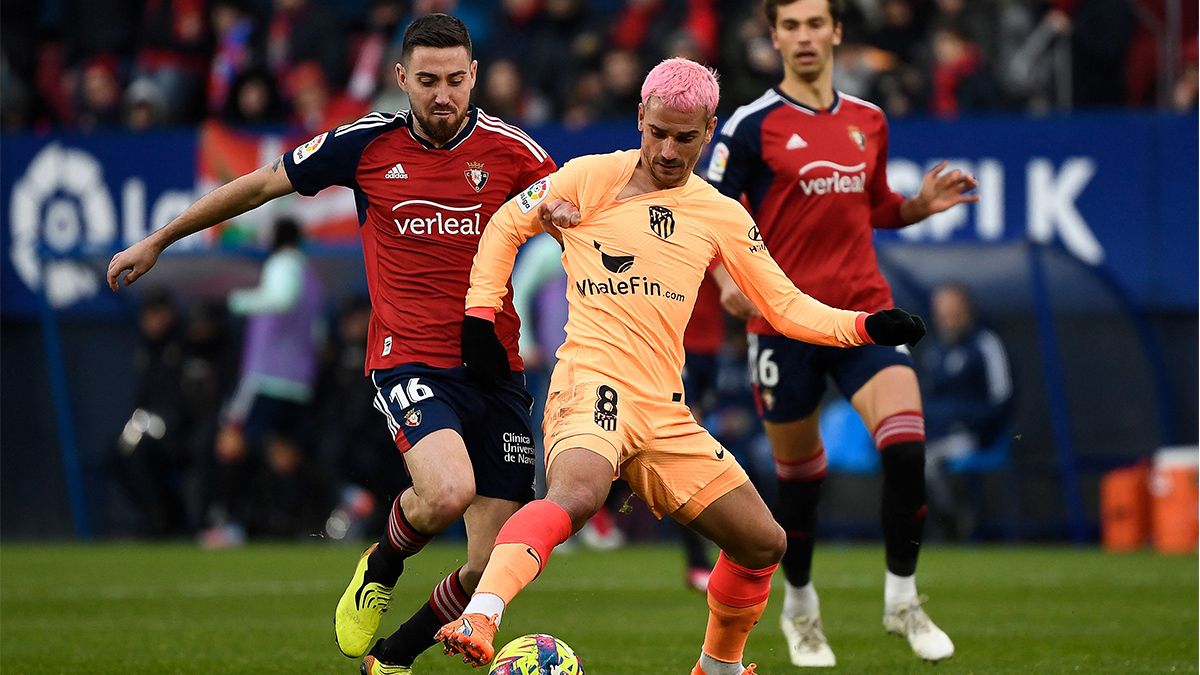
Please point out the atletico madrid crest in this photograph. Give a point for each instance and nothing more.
(476, 176)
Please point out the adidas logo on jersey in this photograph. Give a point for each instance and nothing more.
(396, 172)
(795, 142)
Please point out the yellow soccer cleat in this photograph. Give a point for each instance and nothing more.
(373, 666)
(360, 610)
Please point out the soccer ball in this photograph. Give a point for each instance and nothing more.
(536, 655)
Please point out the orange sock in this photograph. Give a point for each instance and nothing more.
(737, 597)
(523, 547)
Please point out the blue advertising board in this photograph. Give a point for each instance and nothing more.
(1116, 190)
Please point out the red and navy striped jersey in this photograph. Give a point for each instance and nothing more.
(816, 183)
(421, 211)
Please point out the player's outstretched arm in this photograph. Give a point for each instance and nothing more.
(228, 201)
(802, 317)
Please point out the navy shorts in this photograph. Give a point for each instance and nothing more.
(789, 375)
(700, 380)
(418, 400)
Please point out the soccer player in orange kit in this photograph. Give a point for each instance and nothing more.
(648, 229)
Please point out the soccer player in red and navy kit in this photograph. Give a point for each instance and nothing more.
(426, 182)
(812, 165)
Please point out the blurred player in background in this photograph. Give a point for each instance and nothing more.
(649, 231)
(812, 164)
(267, 419)
(426, 182)
(968, 396)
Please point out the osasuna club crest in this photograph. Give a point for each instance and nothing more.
(662, 221)
(476, 176)
(859, 138)
(412, 418)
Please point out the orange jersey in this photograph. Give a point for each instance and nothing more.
(634, 267)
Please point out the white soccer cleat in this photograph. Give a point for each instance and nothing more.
(910, 621)
(806, 641)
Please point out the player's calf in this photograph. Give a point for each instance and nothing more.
(367, 596)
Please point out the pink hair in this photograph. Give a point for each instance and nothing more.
(682, 84)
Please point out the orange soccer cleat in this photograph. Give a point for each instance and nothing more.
(471, 636)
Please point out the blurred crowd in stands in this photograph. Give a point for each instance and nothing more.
(194, 458)
(310, 64)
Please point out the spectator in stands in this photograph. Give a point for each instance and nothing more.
(99, 105)
(300, 31)
(1100, 31)
(174, 50)
(145, 105)
(255, 101)
(1187, 85)
(506, 96)
(369, 67)
(1144, 86)
(355, 448)
(237, 50)
(645, 27)
(268, 418)
(960, 81)
(206, 376)
(968, 392)
(316, 105)
(900, 87)
(621, 74)
(555, 43)
(148, 458)
(749, 62)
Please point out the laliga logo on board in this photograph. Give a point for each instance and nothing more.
(62, 211)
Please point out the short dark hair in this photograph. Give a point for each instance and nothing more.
(837, 9)
(435, 30)
(288, 234)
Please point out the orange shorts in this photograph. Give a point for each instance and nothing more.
(669, 460)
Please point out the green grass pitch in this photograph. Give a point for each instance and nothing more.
(128, 609)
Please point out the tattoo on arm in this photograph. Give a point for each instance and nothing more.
(276, 164)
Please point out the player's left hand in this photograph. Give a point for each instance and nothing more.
(941, 189)
(893, 327)
(484, 356)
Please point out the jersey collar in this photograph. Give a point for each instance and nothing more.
(468, 128)
(833, 108)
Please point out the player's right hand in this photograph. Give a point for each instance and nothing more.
(137, 259)
(485, 358)
(736, 303)
(559, 213)
(894, 327)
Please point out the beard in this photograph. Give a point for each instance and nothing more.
(677, 175)
(440, 129)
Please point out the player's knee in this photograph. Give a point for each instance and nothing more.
(450, 501)
(765, 549)
(774, 545)
(797, 446)
(578, 501)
